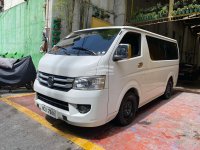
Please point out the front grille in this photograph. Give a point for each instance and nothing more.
(56, 82)
(53, 102)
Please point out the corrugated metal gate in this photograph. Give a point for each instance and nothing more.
(21, 29)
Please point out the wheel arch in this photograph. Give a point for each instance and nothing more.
(134, 91)
(129, 88)
(172, 77)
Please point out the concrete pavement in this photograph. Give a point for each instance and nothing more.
(19, 132)
(162, 124)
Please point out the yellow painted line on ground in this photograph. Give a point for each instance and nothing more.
(19, 95)
(83, 143)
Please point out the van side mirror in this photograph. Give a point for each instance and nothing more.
(123, 51)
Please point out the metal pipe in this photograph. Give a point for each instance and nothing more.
(47, 14)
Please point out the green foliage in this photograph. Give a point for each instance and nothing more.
(151, 13)
(181, 7)
(184, 7)
(56, 31)
(99, 13)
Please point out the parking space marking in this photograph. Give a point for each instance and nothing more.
(83, 143)
(19, 95)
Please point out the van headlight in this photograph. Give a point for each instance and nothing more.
(89, 83)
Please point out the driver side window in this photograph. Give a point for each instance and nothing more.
(134, 39)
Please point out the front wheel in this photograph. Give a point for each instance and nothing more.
(127, 109)
(168, 90)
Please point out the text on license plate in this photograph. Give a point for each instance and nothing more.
(49, 111)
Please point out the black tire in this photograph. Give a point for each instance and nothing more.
(168, 90)
(127, 110)
(29, 86)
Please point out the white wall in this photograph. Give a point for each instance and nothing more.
(11, 3)
(103, 4)
(118, 7)
(107, 5)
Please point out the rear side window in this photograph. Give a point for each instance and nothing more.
(161, 49)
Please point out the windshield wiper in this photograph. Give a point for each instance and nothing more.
(63, 48)
(84, 49)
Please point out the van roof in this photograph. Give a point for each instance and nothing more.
(131, 28)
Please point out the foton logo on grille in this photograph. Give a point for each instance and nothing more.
(50, 82)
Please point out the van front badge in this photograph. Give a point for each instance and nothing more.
(50, 82)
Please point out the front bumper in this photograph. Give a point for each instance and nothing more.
(98, 99)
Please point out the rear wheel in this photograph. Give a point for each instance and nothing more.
(127, 109)
(168, 90)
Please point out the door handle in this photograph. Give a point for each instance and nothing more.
(140, 65)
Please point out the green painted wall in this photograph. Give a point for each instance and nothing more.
(21, 29)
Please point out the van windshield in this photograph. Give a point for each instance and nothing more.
(84, 43)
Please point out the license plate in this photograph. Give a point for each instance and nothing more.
(50, 111)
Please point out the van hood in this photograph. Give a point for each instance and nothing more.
(70, 66)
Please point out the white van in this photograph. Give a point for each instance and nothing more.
(95, 75)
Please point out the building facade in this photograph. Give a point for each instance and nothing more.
(178, 19)
(22, 22)
(21, 26)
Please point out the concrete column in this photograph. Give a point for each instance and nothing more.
(49, 24)
(88, 17)
(120, 12)
(171, 4)
(111, 8)
(76, 15)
